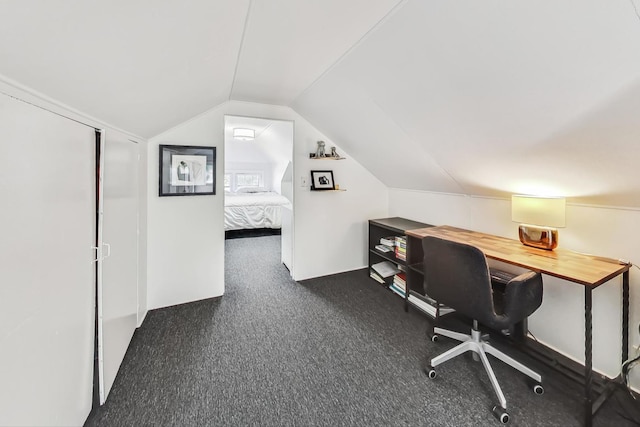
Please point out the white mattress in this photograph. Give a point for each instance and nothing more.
(253, 210)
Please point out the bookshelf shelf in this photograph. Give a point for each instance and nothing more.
(387, 256)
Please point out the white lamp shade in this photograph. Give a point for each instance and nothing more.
(244, 134)
(541, 211)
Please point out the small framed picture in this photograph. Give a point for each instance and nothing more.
(187, 170)
(322, 180)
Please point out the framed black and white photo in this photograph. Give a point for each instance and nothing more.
(322, 180)
(187, 170)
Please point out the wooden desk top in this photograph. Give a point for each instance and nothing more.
(587, 270)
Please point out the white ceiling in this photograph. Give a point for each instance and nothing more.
(143, 66)
(148, 65)
(288, 44)
(481, 97)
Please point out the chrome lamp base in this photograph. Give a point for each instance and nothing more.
(538, 237)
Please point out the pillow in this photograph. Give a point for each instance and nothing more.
(252, 190)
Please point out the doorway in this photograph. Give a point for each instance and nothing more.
(258, 180)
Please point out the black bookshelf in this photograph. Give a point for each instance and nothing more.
(390, 227)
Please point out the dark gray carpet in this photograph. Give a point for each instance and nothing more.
(331, 351)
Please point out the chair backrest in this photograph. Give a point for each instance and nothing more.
(457, 275)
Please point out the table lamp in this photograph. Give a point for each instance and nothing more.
(538, 218)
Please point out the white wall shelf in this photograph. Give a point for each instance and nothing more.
(312, 156)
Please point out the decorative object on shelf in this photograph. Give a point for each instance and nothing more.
(321, 154)
(187, 170)
(539, 217)
(322, 180)
(244, 134)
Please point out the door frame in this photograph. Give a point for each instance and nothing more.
(293, 165)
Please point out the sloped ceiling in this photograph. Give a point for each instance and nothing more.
(148, 65)
(143, 66)
(493, 98)
(480, 97)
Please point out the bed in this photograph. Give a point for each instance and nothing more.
(253, 209)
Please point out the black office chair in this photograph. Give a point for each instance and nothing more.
(457, 275)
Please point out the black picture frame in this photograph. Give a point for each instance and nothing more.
(186, 170)
(322, 180)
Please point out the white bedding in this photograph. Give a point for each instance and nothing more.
(253, 210)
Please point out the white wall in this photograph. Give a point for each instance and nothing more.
(559, 323)
(185, 244)
(186, 234)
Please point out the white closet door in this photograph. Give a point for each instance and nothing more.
(47, 274)
(118, 269)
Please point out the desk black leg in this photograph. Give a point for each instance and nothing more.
(588, 368)
(618, 381)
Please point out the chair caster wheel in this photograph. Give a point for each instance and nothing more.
(431, 373)
(538, 389)
(501, 414)
(435, 338)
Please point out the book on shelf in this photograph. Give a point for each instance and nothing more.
(375, 277)
(397, 290)
(388, 241)
(385, 269)
(400, 281)
(384, 248)
(401, 248)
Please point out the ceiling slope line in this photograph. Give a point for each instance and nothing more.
(264, 130)
(49, 110)
(635, 8)
(384, 19)
(52, 104)
(244, 32)
(419, 147)
(188, 121)
(508, 199)
(447, 193)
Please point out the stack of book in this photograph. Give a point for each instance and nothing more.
(401, 248)
(384, 248)
(387, 244)
(383, 270)
(388, 241)
(399, 284)
(376, 277)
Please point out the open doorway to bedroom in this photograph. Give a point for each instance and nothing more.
(258, 181)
